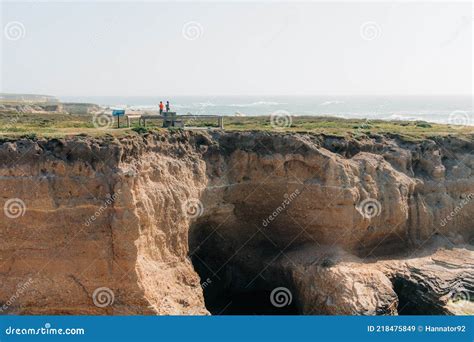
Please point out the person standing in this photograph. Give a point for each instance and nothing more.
(167, 106)
(161, 107)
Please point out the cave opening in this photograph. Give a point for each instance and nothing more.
(230, 286)
(414, 299)
(226, 296)
(246, 303)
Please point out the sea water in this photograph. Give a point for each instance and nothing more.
(439, 109)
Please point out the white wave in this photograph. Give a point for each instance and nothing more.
(255, 104)
(328, 103)
(148, 107)
(142, 107)
(401, 117)
(123, 106)
(204, 104)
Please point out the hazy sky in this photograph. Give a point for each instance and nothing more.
(176, 48)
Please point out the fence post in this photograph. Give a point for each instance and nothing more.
(221, 122)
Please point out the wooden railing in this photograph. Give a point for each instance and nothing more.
(176, 120)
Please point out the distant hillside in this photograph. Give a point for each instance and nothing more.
(4, 97)
(80, 108)
(35, 104)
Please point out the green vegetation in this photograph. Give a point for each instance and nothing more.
(423, 124)
(139, 130)
(59, 125)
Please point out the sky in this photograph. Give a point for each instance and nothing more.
(232, 48)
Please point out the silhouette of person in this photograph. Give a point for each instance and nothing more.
(161, 107)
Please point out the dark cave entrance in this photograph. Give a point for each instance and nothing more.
(246, 303)
(229, 287)
(413, 299)
(232, 285)
(224, 297)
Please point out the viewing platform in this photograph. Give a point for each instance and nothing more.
(171, 119)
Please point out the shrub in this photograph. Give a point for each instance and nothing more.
(140, 130)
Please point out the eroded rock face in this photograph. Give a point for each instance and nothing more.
(438, 281)
(281, 209)
(338, 284)
(99, 215)
(310, 213)
(258, 173)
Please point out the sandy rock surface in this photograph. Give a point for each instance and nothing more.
(144, 223)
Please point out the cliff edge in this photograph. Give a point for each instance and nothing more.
(189, 222)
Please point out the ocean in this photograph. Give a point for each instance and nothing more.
(438, 109)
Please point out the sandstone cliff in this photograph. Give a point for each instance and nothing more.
(142, 224)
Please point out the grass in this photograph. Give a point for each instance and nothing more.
(60, 125)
